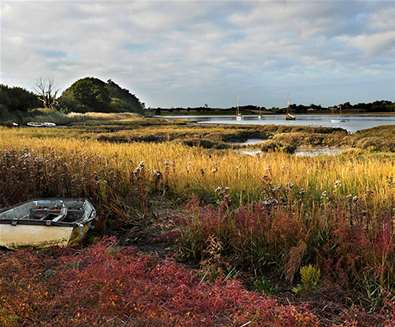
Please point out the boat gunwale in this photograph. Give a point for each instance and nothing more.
(49, 223)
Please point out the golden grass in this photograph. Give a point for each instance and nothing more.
(104, 116)
(196, 170)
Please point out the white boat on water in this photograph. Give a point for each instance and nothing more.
(239, 117)
(46, 222)
(288, 116)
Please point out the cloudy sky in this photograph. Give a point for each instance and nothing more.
(193, 52)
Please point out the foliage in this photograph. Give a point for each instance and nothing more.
(261, 284)
(87, 94)
(14, 99)
(269, 238)
(92, 94)
(309, 279)
(122, 99)
(125, 288)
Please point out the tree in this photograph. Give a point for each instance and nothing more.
(87, 94)
(17, 99)
(93, 94)
(46, 92)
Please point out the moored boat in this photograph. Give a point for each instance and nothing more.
(46, 222)
(239, 117)
(290, 117)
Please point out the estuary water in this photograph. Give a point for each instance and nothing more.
(351, 123)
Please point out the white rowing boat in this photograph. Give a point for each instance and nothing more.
(46, 222)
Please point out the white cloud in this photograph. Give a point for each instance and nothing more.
(188, 53)
(372, 44)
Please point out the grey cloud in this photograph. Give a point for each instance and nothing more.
(189, 53)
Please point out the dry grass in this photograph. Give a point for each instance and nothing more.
(104, 116)
(196, 170)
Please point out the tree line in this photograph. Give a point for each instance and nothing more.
(85, 95)
(91, 94)
(347, 107)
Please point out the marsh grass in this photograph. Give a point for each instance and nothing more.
(273, 213)
(198, 171)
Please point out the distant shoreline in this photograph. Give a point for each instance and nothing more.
(225, 114)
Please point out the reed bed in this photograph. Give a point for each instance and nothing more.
(185, 171)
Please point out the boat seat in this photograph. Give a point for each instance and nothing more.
(53, 214)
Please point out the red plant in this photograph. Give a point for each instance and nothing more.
(109, 286)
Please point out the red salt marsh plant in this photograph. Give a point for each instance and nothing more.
(105, 285)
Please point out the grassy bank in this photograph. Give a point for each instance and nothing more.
(60, 118)
(129, 128)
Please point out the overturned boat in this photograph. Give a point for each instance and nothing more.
(46, 222)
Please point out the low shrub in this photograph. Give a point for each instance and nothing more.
(309, 279)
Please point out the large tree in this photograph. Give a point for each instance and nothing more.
(92, 94)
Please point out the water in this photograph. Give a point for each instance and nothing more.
(300, 152)
(318, 151)
(251, 142)
(351, 123)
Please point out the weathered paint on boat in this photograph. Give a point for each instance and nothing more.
(13, 237)
(20, 227)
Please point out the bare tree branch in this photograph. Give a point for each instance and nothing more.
(46, 92)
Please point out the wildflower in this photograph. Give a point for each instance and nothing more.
(222, 190)
(337, 184)
(139, 169)
(157, 175)
(269, 203)
(324, 196)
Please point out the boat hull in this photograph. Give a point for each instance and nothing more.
(290, 117)
(13, 237)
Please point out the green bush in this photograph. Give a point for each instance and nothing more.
(16, 99)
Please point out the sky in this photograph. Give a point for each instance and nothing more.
(191, 53)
